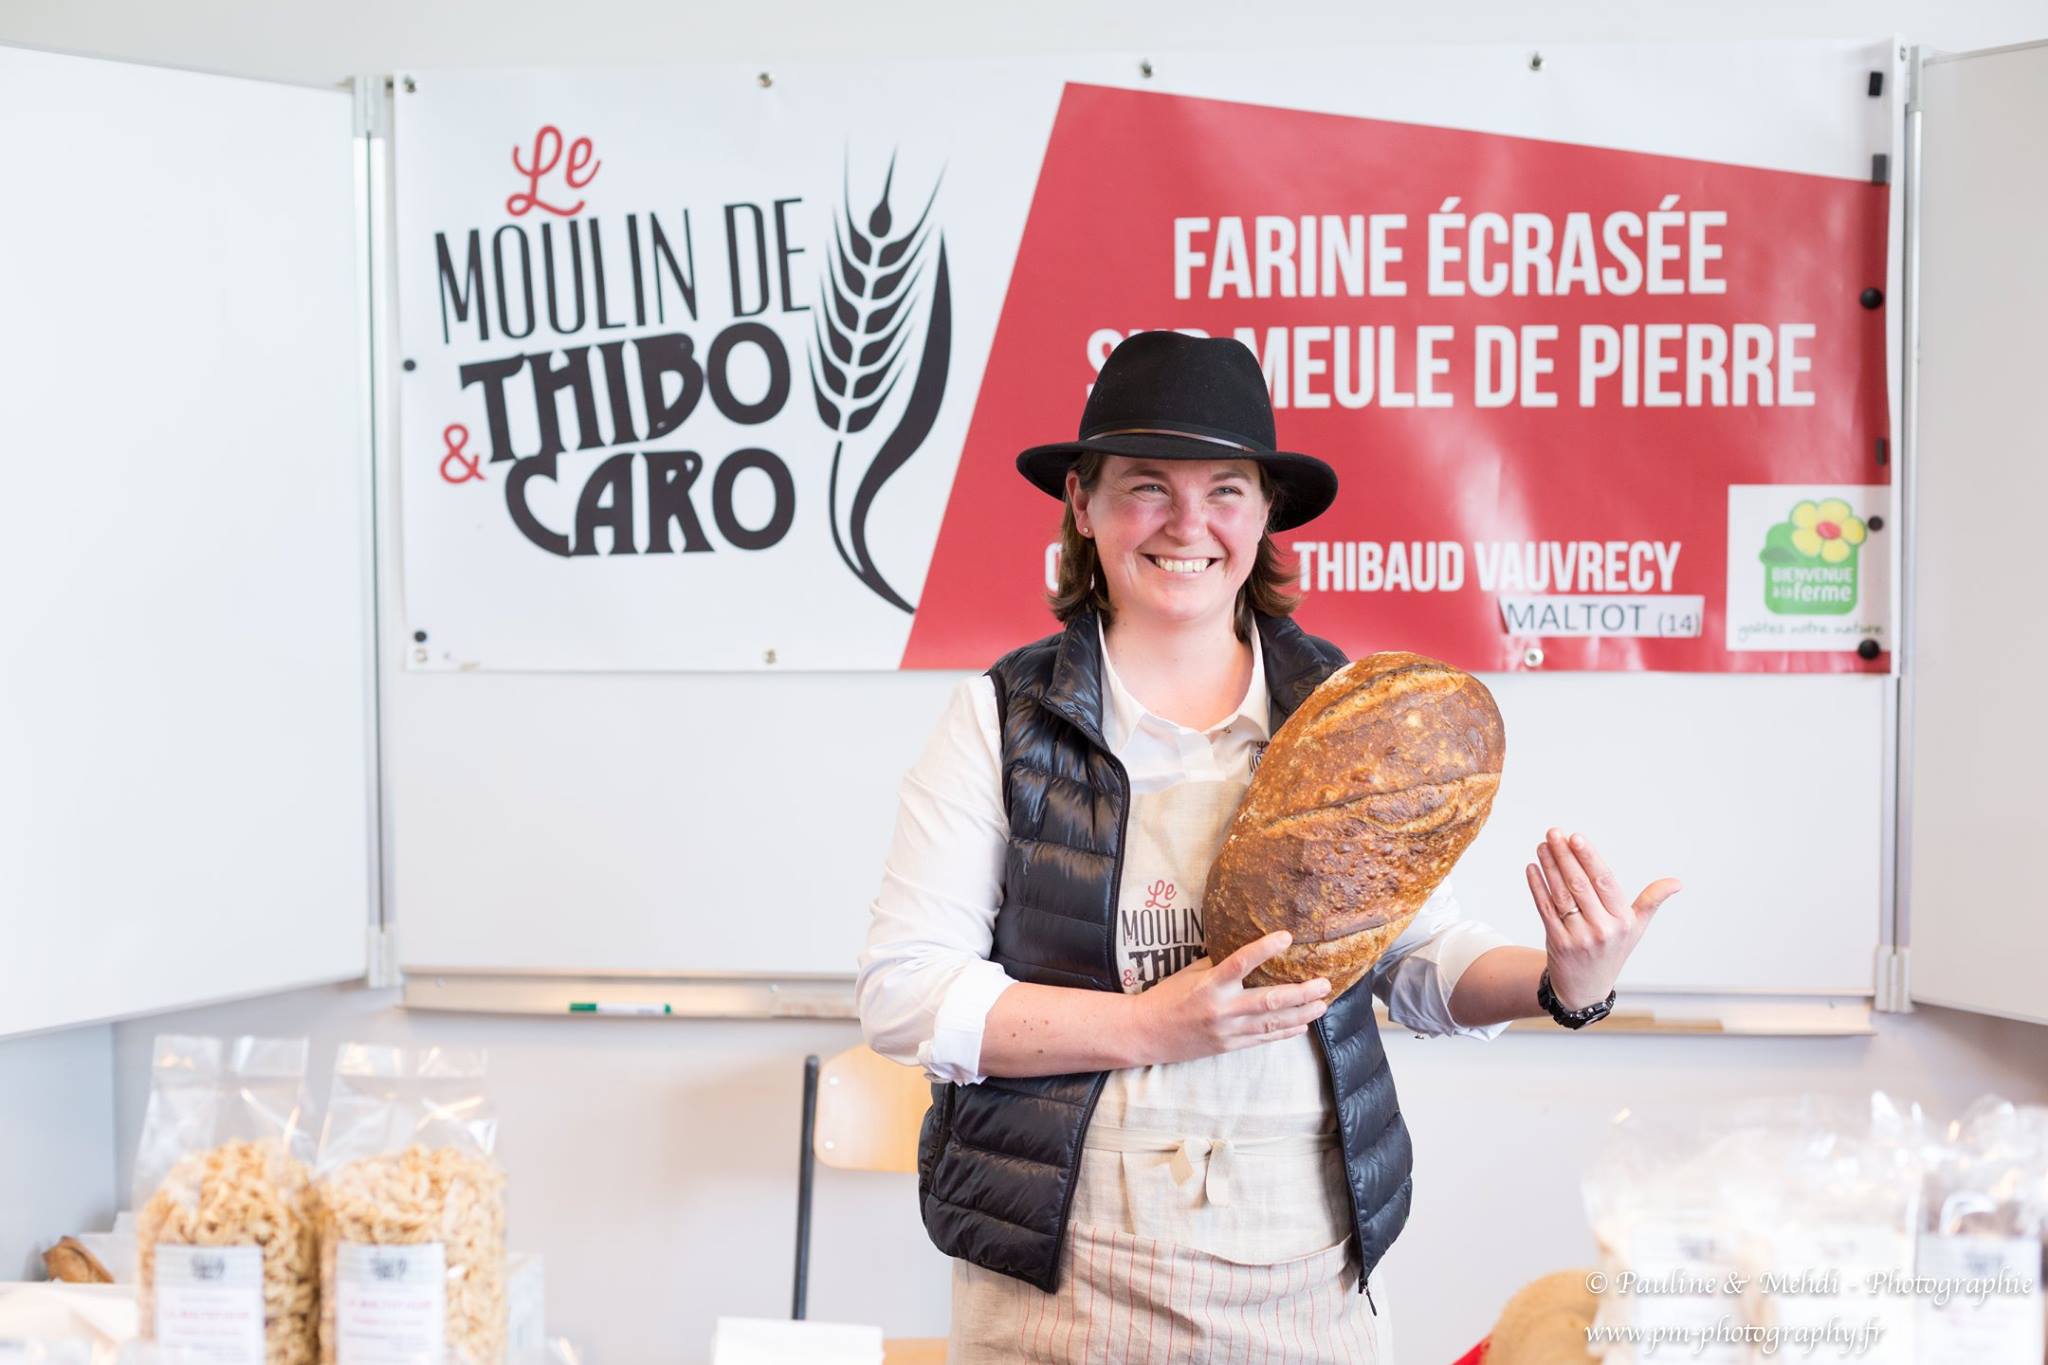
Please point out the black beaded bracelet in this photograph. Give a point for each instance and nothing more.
(1578, 1018)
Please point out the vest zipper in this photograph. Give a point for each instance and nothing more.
(1116, 883)
(1123, 823)
(1322, 1027)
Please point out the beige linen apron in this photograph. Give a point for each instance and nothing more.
(1211, 1220)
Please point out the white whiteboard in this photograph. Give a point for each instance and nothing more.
(708, 823)
(184, 761)
(1976, 817)
(685, 824)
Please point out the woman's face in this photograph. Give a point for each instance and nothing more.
(1177, 538)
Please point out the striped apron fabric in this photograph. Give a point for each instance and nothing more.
(1211, 1220)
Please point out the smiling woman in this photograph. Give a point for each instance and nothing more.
(1134, 502)
(1039, 943)
(1180, 523)
(1107, 1094)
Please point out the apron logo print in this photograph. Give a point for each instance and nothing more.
(1158, 927)
(1258, 753)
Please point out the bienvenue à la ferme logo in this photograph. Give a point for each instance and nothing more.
(1811, 558)
(624, 307)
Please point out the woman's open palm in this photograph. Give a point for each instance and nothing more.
(1589, 926)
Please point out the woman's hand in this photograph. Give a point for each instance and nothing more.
(1588, 929)
(1205, 1008)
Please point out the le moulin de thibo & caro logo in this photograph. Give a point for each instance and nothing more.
(627, 290)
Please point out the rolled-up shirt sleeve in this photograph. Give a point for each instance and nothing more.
(925, 983)
(1420, 969)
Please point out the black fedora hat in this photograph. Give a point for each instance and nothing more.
(1175, 397)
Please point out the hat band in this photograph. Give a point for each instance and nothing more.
(1169, 431)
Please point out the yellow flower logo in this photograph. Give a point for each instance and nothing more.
(1827, 530)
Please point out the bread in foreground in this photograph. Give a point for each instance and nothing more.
(1364, 801)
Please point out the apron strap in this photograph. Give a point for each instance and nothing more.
(1211, 1159)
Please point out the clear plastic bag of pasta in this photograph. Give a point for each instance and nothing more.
(1983, 1253)
(412, 1211)
(225, 1238)
(1667, 1242)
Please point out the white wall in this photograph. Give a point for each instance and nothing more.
(320, 41)
(58, 1153)
(652, 1161)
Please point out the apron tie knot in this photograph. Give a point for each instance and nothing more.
(1215, 1158)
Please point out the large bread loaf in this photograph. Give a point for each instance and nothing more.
(1365, 799)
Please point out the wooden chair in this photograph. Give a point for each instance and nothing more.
(862, 1112)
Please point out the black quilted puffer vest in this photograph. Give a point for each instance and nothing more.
(997, 1161)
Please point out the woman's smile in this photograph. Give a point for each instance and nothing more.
(1175, 540)
(1180, 568)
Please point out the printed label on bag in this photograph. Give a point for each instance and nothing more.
(209, 1300)
(1981, 1299)
(1674, 1287)
(391, 1304)
(1818, 1282)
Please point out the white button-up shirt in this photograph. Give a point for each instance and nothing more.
(926, 984)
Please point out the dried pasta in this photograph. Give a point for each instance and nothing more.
(242, 1193)
(412, 1197)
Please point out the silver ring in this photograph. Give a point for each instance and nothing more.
(1562, 913)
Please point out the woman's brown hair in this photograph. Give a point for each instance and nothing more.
(1270, 589)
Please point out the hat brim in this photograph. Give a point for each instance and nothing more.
(1307, 485)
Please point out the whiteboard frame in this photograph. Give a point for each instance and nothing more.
(1893, 993)
(743, 994)
(375, 228)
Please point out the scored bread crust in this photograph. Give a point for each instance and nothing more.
(1365, 799)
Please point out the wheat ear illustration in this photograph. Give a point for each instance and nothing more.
(864, 305)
